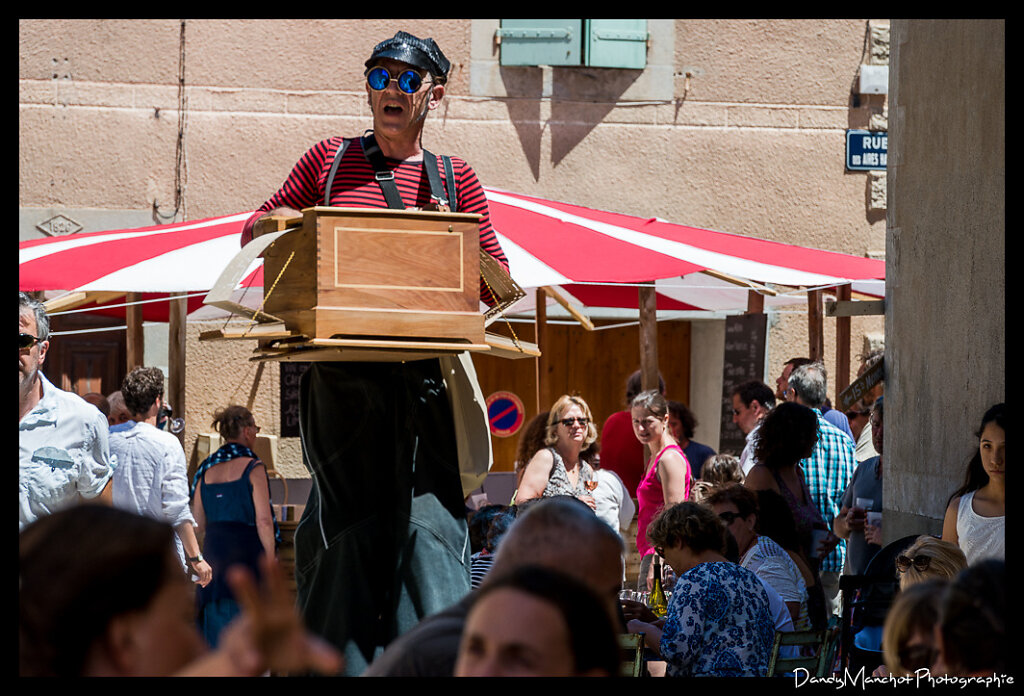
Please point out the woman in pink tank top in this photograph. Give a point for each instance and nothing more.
(667, 478)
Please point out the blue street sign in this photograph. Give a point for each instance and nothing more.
(866, 149)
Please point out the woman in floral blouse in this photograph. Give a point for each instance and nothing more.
(719, 623)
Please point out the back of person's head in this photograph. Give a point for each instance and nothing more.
(500, 525)
(929, 558)
(685, 416)
(755, 390)
(562, 533)
(787, 435)
(141, 388)
(231, 420)
(810, 382)
(479, 522)
(775, 520)
(634, 386)
(118, 409)
(79, 569)
(914, 613)
(557, 413)
(976, 476)
(586, 625)
(722, 469)
(701, 490)
(692, 525)
(972, 621)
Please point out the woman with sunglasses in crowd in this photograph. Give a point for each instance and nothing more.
(561, 467)
(924, 569)
(231, 505)
(667, 477)
(976, 513)
(929, 558)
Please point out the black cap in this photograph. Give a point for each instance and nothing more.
(421, 53)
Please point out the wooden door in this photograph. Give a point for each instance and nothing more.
(593, 364)
(86, 362)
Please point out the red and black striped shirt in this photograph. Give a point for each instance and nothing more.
(355, 187)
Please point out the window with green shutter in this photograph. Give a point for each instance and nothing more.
(598, 43)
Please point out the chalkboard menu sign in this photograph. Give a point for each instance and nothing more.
(744, 360)
(291, 372)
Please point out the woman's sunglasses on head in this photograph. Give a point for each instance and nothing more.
(920, 563)
(409, 81)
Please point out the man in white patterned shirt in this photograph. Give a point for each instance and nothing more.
(63, 449)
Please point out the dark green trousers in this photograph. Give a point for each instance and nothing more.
(383, 541)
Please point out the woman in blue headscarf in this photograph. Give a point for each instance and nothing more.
(231, 505)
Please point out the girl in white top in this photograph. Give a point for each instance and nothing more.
(975, 517)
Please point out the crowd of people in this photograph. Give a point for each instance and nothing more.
(159, 575)
(180, 577)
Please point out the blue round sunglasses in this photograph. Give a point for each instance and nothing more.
(409, 81)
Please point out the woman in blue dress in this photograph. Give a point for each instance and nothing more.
(231, 505)
(719, 623)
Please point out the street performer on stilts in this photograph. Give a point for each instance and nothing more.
(383, 540)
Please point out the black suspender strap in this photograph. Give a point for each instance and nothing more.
(437, 192)
(334, 168)
(441, 192)
(449, 180)
(384, 176)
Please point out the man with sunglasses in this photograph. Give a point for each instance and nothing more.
(383, 539)
(63, 447)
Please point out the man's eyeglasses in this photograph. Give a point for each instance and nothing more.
(567, 422)
(920, 563)
(26, 341)
(409, 81)
(729, 517)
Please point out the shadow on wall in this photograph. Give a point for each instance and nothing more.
(580, 100)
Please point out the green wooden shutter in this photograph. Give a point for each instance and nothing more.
(615, 43)
(541, 41)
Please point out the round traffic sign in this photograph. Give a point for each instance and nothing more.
(505, 413)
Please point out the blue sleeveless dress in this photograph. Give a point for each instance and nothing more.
(231, 539)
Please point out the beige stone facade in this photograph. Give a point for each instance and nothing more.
(734, 125)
